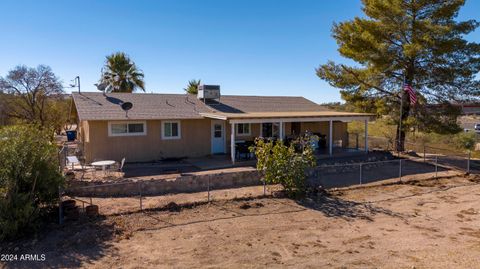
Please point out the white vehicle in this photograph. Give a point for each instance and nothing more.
(477, 127)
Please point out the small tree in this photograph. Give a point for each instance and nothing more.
(284, 165)
(29, 92)
(29, 178)
(466, 141)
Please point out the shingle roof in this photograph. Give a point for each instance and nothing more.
(96, 106)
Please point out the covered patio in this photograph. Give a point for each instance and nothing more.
(330, 126)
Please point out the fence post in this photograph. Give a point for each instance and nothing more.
(468, 162)
(65, 153)
(436, 166)
(140, 192)
(264, 187)
(424, 160)
(400, 170)
(208, 189)
(60, 208)
(356, 141)
(360, 173)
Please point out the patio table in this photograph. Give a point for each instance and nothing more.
(103, 164)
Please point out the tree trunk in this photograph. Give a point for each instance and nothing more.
(400, 135)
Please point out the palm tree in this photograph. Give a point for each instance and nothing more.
(120, 74)
(192, 86)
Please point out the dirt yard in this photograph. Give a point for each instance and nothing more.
(423, 224)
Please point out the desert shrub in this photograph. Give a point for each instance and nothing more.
(29, 178)
(466, 141)
(285, 165)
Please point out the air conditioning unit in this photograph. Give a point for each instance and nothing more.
(208, 92)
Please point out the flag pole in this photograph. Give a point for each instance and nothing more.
(400, 123)
(400, 118)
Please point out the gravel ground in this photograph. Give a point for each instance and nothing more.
(419, 224)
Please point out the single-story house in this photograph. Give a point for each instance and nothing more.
(160, 126)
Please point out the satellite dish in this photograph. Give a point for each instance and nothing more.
(101, 87)
(126, 107)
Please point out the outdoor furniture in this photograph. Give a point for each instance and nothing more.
(118, 167)
(244, 149)
(72, 160)
(122, 163)
(322, 140)
(103, 164)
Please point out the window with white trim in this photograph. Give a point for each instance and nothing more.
(270, 129)
(127, 128)
(243, 129)
(171, 130)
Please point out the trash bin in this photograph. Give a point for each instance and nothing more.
(71, 135)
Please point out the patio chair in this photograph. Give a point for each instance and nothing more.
(72, 160)
(242, 149)
(122, 163)
(118, 167)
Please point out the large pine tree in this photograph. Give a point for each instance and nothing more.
(418, 42)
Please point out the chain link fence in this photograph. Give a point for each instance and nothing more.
(344, 175)
(137, 195)
(418, 162)
(425, 152)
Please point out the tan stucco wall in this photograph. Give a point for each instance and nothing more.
(254, 132)
(339, 131)
(194, 141)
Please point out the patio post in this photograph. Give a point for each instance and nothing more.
(330, 138)
(280, 126)
(366, 135)
(232, 143)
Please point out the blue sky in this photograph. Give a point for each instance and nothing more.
(262, 47)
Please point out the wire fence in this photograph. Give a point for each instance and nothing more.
(421, 161)
(446, 155)
(344, 175)
(357, 140)
(140, 195)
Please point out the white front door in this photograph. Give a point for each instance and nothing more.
(218, 136)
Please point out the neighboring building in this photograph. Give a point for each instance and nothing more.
(470, 109)
(160, 126)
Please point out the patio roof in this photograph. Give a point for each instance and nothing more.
(288, 116)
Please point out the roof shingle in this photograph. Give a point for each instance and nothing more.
(97, 106)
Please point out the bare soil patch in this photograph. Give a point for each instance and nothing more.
(428, 224)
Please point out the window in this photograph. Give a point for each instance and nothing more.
(243, 129)
(217, 130)
(127, 128)
(270, 129)
(171, 130)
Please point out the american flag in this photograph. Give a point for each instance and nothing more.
(411, 93)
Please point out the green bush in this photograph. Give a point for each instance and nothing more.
(466, 141)
(284, 165)
(29, 178)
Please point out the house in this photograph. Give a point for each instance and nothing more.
(160, 126)
(470, 108)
